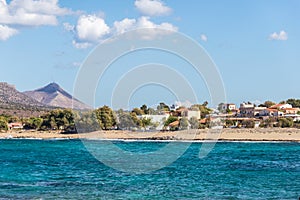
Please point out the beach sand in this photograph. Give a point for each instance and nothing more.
(259, 134)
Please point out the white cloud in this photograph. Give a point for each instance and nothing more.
(81, 45)
(124, 25)
(282, 35)
(203, 37)
(91, 28)
(152, 7)
(69, 27)
(152, 31)
(6, 32)
(31, 12)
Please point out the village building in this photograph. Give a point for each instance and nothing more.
(15, 125)
(228, 106)
(281, 106)
(292, 111)
(188, 113)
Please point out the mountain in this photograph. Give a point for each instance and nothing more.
(53, 95)
(10, 97)
(13, 102)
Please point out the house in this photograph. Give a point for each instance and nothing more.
(250, 110)
(228, 106)
(281, 106)
(173, 126)
(188, 113)
(270, 112)
(15, 125)
(246, 110)
(157, 119)
(291, 111)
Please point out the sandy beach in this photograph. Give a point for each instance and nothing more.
(260, 134)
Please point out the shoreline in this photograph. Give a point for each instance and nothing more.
(201, 135)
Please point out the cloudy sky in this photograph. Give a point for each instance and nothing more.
(255, 44)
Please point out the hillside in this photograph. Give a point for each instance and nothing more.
(13, 102)
(53, 95)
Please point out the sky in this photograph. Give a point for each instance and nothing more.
(254, 44)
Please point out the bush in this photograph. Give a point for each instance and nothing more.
(3, 124)
(285, 122)
(248, 124)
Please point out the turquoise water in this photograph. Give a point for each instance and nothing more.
(37, 169)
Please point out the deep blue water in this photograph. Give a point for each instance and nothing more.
(38, 169)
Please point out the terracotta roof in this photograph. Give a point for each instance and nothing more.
(277, 105)
(173, 124)
(290, 108)
(203, 121)
(181, 109)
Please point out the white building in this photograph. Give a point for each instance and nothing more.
(157, 119)
(228, 106)
(281, 106)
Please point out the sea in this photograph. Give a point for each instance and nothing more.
(65, 169)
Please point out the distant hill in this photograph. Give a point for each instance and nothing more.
(53, 95)
(10, 96)
(13, 102)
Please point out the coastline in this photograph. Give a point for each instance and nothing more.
(255, 135)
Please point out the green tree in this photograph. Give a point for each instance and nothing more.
(145, 122)
(145, 109)
(268, 123)
(138, 111)
(229, 123)
(183, 123)
(203, 109)
(3, 123)
(86, 121)
(285, 122)
(58, 119)
(125, 121)
(170, 120)
(248, 124)
(106, 117)
(194, 122)
(294, 102)
(163, 107)
(33, 123)
(268, 104)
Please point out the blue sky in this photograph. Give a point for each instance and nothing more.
(255, 44)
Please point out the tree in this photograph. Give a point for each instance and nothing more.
(33, 123)
(106, 117)
(163, 107)
(294, 102)
(170, 120)
(229, 123)
(285, 122)
(145, 109)
(145, 122)
(248, 124)
(86, 121)
(205, 103)
(3, 123)
(183, 123)
(125, 121)
(194, 123)
(267, 104)
(138, 111)
(58, 119)
(203, 109)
